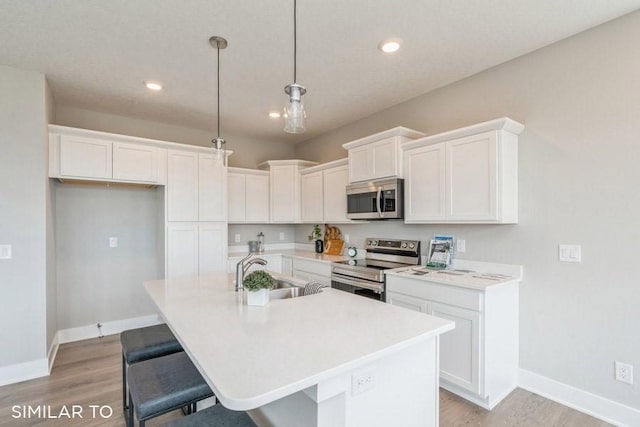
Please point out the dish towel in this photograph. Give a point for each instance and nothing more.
(313, 288)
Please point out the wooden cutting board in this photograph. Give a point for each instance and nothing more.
(334, 247)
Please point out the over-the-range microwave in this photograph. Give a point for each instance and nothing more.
(375, 199)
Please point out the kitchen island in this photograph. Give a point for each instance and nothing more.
(329, 359)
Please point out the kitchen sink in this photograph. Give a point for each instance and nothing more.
(284, 290)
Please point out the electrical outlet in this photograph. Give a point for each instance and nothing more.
(346, 238)
(237, 238)
(570, 253)
(624, 372)
(5, 252)
(113, 242)
(461, 245)
(282, 235)
(362, 381)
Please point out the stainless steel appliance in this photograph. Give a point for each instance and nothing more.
(376, 199)
(365, 276)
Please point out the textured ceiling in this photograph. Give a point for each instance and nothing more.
(97, 54)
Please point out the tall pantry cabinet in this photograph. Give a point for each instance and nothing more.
(196, 213)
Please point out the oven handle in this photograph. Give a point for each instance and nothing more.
(357, 283)
(378, 202)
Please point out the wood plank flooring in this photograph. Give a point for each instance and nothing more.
(88, 373)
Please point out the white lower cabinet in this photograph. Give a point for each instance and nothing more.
(479, 358)
(312, 271)
(195, 248)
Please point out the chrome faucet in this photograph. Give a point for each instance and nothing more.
(242, 267)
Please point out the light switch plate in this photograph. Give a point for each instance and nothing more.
(5, 252)
(113, 242)
(570, 253)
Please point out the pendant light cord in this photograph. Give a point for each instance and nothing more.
(218, 89)
(295, 38)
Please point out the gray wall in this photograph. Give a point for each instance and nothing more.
(578, 164)
(249, 152)
(97, 283)
(271, 233)
(50, 197)
(23, 215)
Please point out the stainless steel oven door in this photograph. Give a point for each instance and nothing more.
(365, 288)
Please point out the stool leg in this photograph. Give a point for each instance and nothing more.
(124, 383)
(130, 418)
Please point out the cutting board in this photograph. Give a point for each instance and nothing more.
(334, 247)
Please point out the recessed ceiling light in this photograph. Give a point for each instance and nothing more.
(389, 46)
(274, 114)
(153, 85)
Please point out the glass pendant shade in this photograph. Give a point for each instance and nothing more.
(294, 113)
(219, 152)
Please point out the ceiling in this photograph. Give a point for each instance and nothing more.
(97, 54)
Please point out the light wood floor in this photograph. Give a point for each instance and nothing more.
(88, 373)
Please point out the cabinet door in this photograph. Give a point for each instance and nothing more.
(212, 247)
(182, 250)
(212, 188)
(257, 198)
(135, 162)
(236, 197)
(424, 172)
(460, 348)
(85, 157)
(284, 197)
(360, 164)
(287, 266)
(406, 301)
(311, 196)
(334, 188)
(182, 186)
(471, 177)
(384, 158)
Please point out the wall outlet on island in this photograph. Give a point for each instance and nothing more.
(624, 372)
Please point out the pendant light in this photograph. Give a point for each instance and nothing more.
(218, 142)
(294, 114)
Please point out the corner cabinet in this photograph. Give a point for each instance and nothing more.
(469, 175)
(324, 193)
(284, 189)
(479, 358)
(378, 156)
(248, 196)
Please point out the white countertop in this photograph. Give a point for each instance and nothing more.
(295, 253)
(251, 356)
(465, 274)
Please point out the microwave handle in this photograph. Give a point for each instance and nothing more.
(378, 200)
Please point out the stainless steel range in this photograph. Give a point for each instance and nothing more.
(365, 276)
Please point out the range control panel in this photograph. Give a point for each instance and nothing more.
(407, 247)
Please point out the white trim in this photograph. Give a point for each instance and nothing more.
(23, 371)
(108, 328)
(583, 401)
(53, 351)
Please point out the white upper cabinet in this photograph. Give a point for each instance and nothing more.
(323, 195)
(468, 175)
(212, 188)
(98, 156)
(284, 189)
(182, 185)
(85, 157)
(135, 162)
(378, 156)
(248, 196)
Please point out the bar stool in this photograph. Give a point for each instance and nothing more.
(214, 416)
(164, 384)
(143, 344)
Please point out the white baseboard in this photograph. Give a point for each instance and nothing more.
(583, 401)
(24, 371)
(53, 350)
(108, 328)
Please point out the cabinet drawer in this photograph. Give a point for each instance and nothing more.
(320, 268)
(446, 294)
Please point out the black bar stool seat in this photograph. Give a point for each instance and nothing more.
(214, 416)
(163, 384)
(144, 344)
